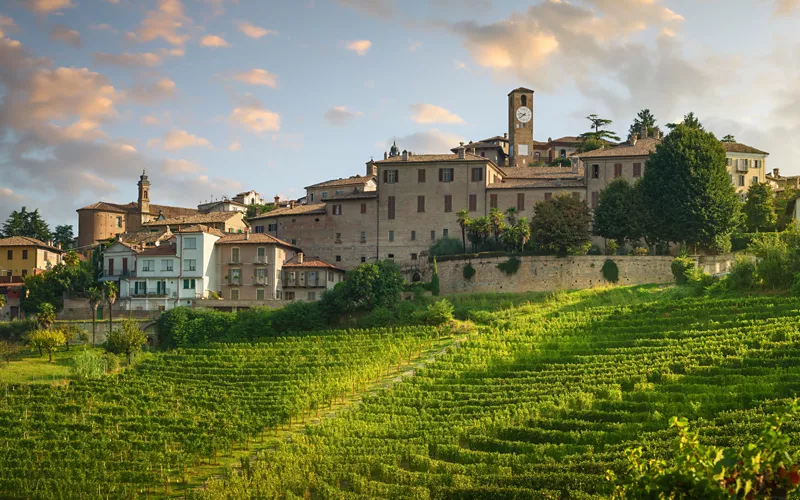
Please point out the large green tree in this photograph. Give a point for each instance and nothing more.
(687, 191)
(368, 286)
(644, 119)
(690, 120)
(561, 224)
(64, 236)
(759, 208)
(728, 138)
(618, 216)
(25, 223)
(598, 131)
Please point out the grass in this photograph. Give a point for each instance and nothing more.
(30, 368)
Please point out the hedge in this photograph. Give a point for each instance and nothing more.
(14, 330)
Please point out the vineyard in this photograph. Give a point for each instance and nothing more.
(135, 434)
(543, 399)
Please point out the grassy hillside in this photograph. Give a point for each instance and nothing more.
(546, 397)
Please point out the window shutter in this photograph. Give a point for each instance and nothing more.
(396, 176)
(385, 176)
(441, 174)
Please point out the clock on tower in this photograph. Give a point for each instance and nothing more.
(520, 127)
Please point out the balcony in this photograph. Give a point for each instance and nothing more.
(318, 283)
(139, 294)
(741, 166)
(119, 274)
(260, 280)
(234, 262)
(260, 260)
(234, 280)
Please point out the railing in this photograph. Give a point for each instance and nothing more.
(741, 166)
(119, 274)
(260, 280)
(234, 281)
(153, 294)
(318, 283)
(235, 262)
(260, 260)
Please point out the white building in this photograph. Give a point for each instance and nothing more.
(249, 198)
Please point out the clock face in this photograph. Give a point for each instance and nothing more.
(524, 114)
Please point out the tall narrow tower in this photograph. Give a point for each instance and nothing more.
(144, 198)
(520, 127)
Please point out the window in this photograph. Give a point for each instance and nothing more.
(413, 256)
(337, 210)
(363, 259)
(294, 241)
(421, 175)
(477, 174)
(617, 170)
(363, 208)
(524, 100)
(119, 221)
(111, 267)
(330, 275)
(563, 153)
(420, 204)
(741, 180)
(261, 255)
(390, 208)
(236, 275)
(433, 235)
(140, 288)
(24, 255)
(391, 176)
(363, 236)
(448, 203)
(10, 255)
(548, 196)
(24, 272)
(312, 295)
(338, 258)
(520, 201)
(288, 296)
(390, 256)
(166, 265)
(189, 284)
(148, 265)
(259, 229)
(311, 197)
(234, 294)
(338, 237)
(595, 171)
(755, 180)
(483, 155)
(391, 235)
(492, 201)
(445, 233)
(235, 254)
(445, 175)
(261, 276)
(273, 228)
(756, 163)
(637, 169)
(339, 192)
(189, 243)
(595, 197)
(324, 195)
(473, 202)
(259, 294)
(413, 236)
(729, 161)
(537, 156)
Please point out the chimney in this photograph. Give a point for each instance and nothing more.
(246, 234)
(385, 155)
(461, 151)
(299, 257)
(776, 172)
(277, 200)
(634, 139)
(657, 133)
(505, 135)
(405, 155)
(643, 131)
(58, 245)
(291, 203)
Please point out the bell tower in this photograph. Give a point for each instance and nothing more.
(144, 198)
(520, 127)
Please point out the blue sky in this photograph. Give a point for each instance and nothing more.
(217, 96)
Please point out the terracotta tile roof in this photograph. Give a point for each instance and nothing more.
(313, 209)
(737, 147)
(432, 157)
(361, 195)
(541, 173)
(498, 138)
(200, 228)
(144, 237)
(159, 250)
(349, 181)
(312, 262)
(539, 183)
(133, 207)
(253, 239)
(520, 89)
(643, 147)
(540, 144)
(567, 139)
(478, 145)
(104, 207)
(24, 241)
(209, 218)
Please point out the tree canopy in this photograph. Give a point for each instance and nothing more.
(644, 119)
(561, 224)
(687, 191)
(759, 208)
(728, 138)
(64, 236)
(368, 286)
(618, 214)
(25, 223)
(689, 120)
(597, 131)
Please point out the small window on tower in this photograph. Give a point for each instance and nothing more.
(524, 100)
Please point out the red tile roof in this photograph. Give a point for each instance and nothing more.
(310, 262)
(24, 241)
(349, 181)
(737, 147)
(253, 239)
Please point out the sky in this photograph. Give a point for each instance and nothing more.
(214, 97)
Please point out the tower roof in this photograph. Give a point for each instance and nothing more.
(394, 150)
(520, 89)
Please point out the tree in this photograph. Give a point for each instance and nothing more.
(728, 138)
(8, 350)
(561, 224)
(644, 119)
(24, 223)
(596, 131)
(617, 216)
(111, 290)
(368, 286)
(47, 340)
(497, 223)
(46, 315)
(95, 297)
(782, 206)
(478, 231)
(687, 191)
(127, 340)
(516, 236)
(759, 208)
(462, 217)
(689, 120)
(64, 236)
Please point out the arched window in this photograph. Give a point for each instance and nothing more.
(563, 153)
(145, 193)
(537, 156)
(416, 277)
(524, 100)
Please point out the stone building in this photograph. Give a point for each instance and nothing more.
(781, 182)
(227, 222)
(305, 279)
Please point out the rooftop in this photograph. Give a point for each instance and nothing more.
(541, 173)
(166, 249)
(737, 147)
(310, 262)
(432, 158)
(349, 181)
(539, 183)
(314, 208)
(25, 241)
(643, 147)
(253, 239)
(209, 218)
(200, 228)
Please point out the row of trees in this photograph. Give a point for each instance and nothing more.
(31, 224)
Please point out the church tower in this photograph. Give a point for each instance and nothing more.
(144, 198)
(520, 127)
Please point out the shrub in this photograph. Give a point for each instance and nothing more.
(111, 362)
(640, 251)
(680, 265)
(434, 285)
(378, 318)
(742, 275)
(611, 247)
(699, 281)
(594, 250)
(127, 340)
(88, 364)
(469, 271)
(15, 330)
(510, 267)
(773, 268)
(407, 312)
(9, 350)
(46, 340)
(298, 317)
(439, 313)
(610, 271)
(446, 246)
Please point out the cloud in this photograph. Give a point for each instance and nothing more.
(165, 22)
(235, 146)
(149, 93)
(413, 46)
(104, 27)
(178, 139)
(254, 31)
(258, 76)
(62, 33)
(214, 41)
(461, 65)
(150, 120)
(340, 115)
(431, 141)
(6, 23)
(786, 6)
(134, 60)
(360, 47)
(48, 6)
(429, 113)
(181, 167)
(375, 8)
(254, 117)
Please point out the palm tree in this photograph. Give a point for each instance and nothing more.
(511, 214)
(463, 222)
(111, 296)
(95, 297)
(496, 220)
(46, 315)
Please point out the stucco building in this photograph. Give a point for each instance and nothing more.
(305, 279)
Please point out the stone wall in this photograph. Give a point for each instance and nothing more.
(149, 326)
(547, 273)
(78, 309)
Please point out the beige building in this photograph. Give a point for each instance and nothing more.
(746, 166)
(780, 182)
(22, 256)
(339, 188)
(250, 266)
(305, 279)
